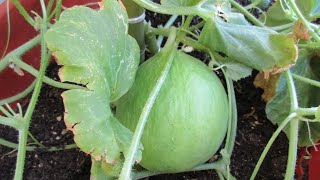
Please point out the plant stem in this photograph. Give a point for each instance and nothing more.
(151, 40)
(293, 144)
(47, 80)
(49, 6)
(270, 142)
(282, 27)
(292, 91)
(35, 140)
(306, 111)
(24, 13)
(23, 94)
(167, 25)
(217, 165)
(197, 26)
(232, 129)
(296, 10)
(307, 80)
(19, 52)
(294, 127)
(5, 112)
(252, 5)
(136, 15)
(185, 10)
(58, 9)
(23, 132)
(33, 148)
(169, 56)
(11, 122)
(254, 20)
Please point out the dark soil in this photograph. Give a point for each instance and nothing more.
(254, 131)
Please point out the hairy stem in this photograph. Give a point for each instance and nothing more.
(23, 132)
(11, 122)
(307, 111)
(294, 127)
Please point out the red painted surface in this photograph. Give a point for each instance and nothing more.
(310, 160)
(314, 164)
(21, 31)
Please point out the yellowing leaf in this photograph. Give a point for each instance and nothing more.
(268, 85)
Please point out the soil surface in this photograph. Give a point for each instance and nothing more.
(254, 131)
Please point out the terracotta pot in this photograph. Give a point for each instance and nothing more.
(12, 83)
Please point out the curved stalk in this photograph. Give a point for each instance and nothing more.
(294, 127)
(18, 96)
(19, 52)
(167, 51)
(272, 139)
(254, 20)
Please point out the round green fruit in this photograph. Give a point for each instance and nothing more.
(188, 120)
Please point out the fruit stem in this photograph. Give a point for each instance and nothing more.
(169, 53)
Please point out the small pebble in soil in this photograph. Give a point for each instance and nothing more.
(64, 131)
(59, 118)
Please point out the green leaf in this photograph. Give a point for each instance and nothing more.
(317, 115)
(308, 96)
(237, 71)
(308, 7)
(315, 13)
(95, 50)
(255, 47)
(275, 15)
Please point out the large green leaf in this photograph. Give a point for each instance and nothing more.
(95, 50)
(255, 47)
(308, 96)
(275, 15)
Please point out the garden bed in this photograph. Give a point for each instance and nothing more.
(254, 131)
